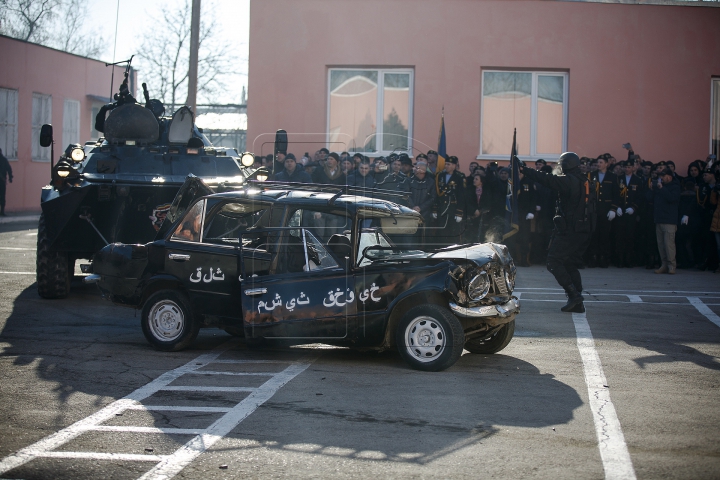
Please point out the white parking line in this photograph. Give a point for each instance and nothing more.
(703, 308)
(17, 273)
(611, 441)
(202, 439)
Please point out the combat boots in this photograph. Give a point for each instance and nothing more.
(575, 300)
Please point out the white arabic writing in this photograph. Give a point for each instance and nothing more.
(369, 293)
(217, 275)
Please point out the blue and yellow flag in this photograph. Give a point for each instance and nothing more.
(512, 224)
(442, 152)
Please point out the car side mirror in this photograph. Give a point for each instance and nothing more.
(46, 135)
(281, 142)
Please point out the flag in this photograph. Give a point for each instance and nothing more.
(442, 152)
(511, 204)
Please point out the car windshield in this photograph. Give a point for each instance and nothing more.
(380, 247)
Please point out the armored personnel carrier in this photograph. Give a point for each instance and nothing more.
(120, 187)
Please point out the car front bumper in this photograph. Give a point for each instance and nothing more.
(495, 314)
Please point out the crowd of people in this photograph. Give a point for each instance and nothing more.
(648, 215)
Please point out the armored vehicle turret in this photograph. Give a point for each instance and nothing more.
(120, 187)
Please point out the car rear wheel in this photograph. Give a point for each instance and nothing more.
(53, 271)
(168, 322)
(494, 343)
(430, 338)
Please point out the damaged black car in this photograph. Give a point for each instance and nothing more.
(299, 264)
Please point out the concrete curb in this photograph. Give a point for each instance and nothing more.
(20, 218)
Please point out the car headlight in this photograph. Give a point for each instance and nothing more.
(479, 286)
(77, 155)
(247, 159)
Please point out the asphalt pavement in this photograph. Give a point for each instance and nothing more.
(628, 390)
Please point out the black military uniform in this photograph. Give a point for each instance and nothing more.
(630, 197)
(422, 196)
(573, 226)
(449, 206)
(5, 172)
(526, 205)
(608, 193)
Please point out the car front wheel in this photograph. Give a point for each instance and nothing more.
(168, 322)
(430, 338)
(494, 343)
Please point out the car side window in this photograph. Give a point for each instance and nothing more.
(301, 251)
(190, 228)
(225, 224)
(323, 225)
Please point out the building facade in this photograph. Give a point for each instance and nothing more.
(375, 76)
(41, 85)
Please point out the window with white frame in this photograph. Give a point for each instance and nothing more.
(8, 122)
(534, 103)
(71, 122)
(715, 118)
(370, 110)
(41, 114)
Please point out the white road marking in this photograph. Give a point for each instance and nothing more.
(17, 273)
(620, 290)
(241, 374)
(202, 439)
(128, 457)
(177, 408)
(703, 308)
(169, 467)
(191, 388)
(18, 248)
(611, 441)
(635, 299)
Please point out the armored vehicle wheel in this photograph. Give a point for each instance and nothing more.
(168, 322)
(494, 343)
(430, 338)
(52, 267)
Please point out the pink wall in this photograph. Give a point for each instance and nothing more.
(638, 73)
(31, 68)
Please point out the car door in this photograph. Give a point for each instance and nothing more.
(208, 271)
(307, 294)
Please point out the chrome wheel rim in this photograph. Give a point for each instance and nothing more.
(166, 320)
(425, 339)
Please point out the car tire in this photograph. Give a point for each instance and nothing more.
(168, 322)
(494, 343)
(52, 268)
(430, 338)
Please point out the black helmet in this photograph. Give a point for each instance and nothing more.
(569, 161)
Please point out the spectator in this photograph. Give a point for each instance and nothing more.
(473, 166)
(526, 204)
(347, 166)
(476, 210)
(539, 164)
(665, 193)
(715, 225)
(432, 158)
(5, 172)
(363, 178)
(291, 173)
(708, 258)
(422, 197)
(406, 166)
(330, 173)
(689, 223)
(450, 204)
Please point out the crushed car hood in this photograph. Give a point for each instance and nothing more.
(480, 254)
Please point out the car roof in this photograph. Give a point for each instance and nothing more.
(337, 200)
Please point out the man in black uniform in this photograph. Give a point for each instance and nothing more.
(573, 225)
(422, 197)
(450, 204)
(5, 171)
(630, 196)
(607, 205)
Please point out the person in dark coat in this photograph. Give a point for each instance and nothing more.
(476, 210)
(291, 172)
(665, 194)
(422, 197)
(607, 204)
(330, 173)
(450, 204)
(527, 204)
(363, 178)
(573, 227)
(689, 223)
(630, 198)
(5, 173)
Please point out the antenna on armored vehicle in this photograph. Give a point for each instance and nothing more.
(112, 75)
